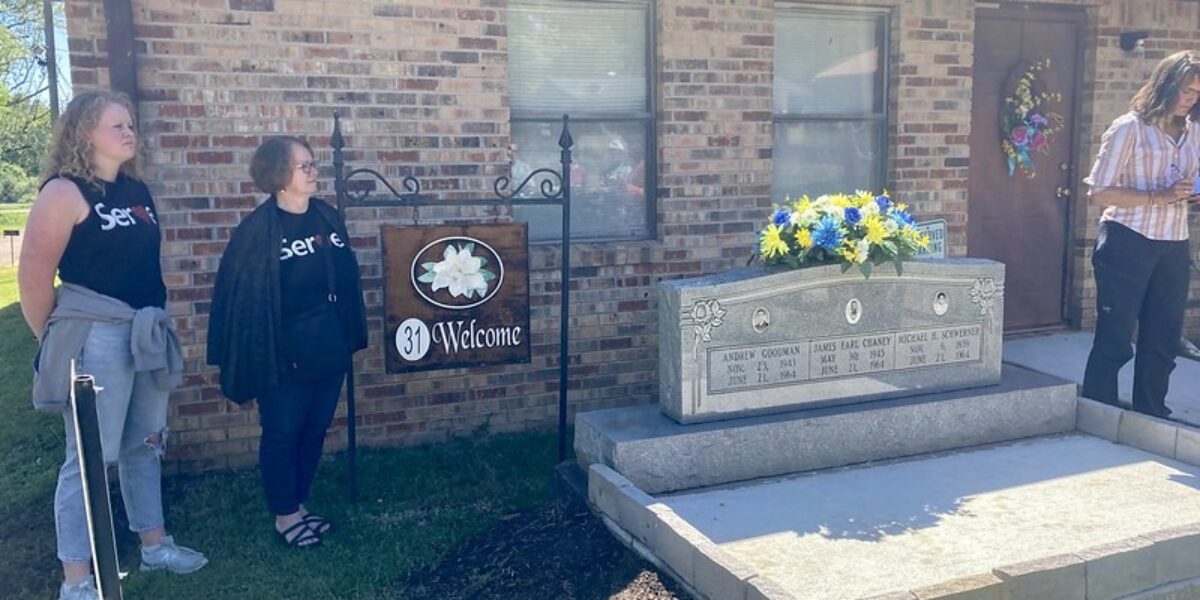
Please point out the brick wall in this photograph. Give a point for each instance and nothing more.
(423, 88)
(714, 136)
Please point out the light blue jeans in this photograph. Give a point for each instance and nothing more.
(130, 409)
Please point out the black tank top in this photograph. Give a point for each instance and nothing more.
(115, 250)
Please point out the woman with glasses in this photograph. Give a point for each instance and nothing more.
(287, 314)
(1143, 181)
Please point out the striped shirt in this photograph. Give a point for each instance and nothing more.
(1137, 155)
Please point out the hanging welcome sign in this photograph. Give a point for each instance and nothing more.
(455, 296)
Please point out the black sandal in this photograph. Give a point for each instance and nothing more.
(299, 539)
(319, 525)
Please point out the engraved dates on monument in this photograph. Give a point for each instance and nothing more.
(773, 365)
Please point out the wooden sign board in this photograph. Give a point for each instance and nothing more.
(455, 296)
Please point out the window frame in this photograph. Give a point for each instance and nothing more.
(881, 114)
(647, 117)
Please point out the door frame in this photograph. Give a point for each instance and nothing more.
(1070, 312)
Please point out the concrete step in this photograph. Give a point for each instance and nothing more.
(1067, 516)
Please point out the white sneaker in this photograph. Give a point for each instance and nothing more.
(176, 559)
(84, 590)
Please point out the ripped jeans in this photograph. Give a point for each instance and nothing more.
(133, 429)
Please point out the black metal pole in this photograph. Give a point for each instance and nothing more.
(339, 187)
(565, 142)
(51, 59)
(121, 45)
(94, 476)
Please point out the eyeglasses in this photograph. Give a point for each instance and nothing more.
(308, 167)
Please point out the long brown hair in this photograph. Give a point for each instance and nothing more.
(1157, 97)
(71, 149)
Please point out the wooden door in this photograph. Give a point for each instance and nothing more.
(1021, 220)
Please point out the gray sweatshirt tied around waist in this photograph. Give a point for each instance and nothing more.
(153, 343)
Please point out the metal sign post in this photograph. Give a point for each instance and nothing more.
(95, 487)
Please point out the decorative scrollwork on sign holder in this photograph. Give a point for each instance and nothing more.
(550, 185)
(411, 185)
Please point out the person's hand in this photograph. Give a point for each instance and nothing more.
(1182, 191)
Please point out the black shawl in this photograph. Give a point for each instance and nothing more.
(244, 331)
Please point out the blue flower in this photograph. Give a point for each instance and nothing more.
(884, 203)
(827, 234)
(903, 218)
(781, 218)
(853, 216)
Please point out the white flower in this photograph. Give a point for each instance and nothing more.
(871, 208)
(863, 250)
(459, 272)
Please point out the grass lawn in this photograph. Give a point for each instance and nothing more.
(13, 216)
(423, 514)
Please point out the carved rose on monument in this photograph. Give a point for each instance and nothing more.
(706, 316)
(984, 294)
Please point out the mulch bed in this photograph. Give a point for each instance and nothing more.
(559, 550)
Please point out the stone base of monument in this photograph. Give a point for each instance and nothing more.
(660, 455)
(1107, 508)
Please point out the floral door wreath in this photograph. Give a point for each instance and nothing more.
(1025, 124)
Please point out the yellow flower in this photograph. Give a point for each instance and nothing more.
(803, 238)
(850, 253)
(841, 200)
(772, 243)
(914, 235)
(802, 205)
(876, 230)
(855, 252)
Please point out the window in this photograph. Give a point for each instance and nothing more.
(830, 101)
(589, 60)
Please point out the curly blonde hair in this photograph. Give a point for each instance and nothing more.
(70, 148)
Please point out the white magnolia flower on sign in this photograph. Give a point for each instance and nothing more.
(458, 272)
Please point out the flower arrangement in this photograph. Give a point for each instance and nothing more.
(860, 230)
(1025, 126)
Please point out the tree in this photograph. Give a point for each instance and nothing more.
(24, 82)
(16, 185)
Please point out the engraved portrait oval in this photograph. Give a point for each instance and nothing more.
(941, 303)
(761, 319)
(854, 311)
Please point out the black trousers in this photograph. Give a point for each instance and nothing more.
(1144, 283)
(294, 420)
